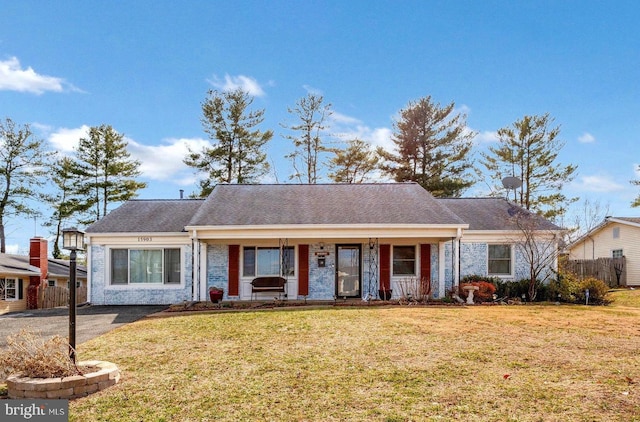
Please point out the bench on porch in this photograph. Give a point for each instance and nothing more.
(268, 284)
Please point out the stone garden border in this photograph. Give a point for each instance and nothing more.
(71, 387)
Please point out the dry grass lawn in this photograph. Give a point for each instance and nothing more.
(481, 363)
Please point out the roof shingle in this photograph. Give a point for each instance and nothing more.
(376, 203)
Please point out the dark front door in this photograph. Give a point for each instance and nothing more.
(348, 274)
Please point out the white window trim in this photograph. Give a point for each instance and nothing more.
(615, 250)
(16, 286)
(144, 286)
(416, 264)
(243, 277)
(512, 260)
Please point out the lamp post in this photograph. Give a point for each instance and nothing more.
(72, 240)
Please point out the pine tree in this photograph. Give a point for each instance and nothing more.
(353, 164)
(103, 173)
(529, 150)
(236, 154)
(63, 200)
(432, 148)
(23, 164)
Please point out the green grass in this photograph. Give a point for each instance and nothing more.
(500, 363)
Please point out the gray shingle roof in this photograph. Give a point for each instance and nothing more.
(140, 215)
(491, 213)
(379, 203)
(635, 220)
(19, 265)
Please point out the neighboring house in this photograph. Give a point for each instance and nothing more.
(327, 240)
(615, 237)
(18, 272)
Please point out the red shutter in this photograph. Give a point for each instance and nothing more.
(385, 267)
(234, 270)
(425, 268)
(303, 270)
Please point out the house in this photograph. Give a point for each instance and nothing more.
(18, 273)
(326, 240)
(615, 237)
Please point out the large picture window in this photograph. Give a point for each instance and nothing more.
(9, 289)
(145, 266)
(404, 260)
(267, 261)
(500, 260)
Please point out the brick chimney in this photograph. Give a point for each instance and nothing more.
(37, 258)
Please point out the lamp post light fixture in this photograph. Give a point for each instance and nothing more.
(72, 240)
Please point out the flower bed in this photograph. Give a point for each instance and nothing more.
(71, 387)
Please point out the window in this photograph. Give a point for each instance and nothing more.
(51, 283)
(145, 266)
(616, 232)
(404, 260)
(617, 253)
(9, 289)
(260, 261)
(499, 260)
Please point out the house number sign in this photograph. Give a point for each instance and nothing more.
(145, 239)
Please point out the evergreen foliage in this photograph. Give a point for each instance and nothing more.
(529, 151)
(236, 154)
(353, 164)
(432, 148)
(23, 165)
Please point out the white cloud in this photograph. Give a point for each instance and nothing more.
(66, 140)
(586, 138)
(14, 78)
(486, 137)
(597, 183)
(164, 162)
(231, 83)
(312, 90)
(342, 119)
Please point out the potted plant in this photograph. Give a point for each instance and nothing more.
(215, 294)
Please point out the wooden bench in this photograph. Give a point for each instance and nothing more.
(268, 284)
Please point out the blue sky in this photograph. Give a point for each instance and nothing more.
(145, 67)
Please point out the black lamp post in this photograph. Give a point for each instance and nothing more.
(72, 240)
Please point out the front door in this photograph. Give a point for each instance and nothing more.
(348, 272)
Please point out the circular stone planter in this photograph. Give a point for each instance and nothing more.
(71, 387)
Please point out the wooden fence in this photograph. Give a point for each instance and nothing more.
(54, 296)
(610, 270)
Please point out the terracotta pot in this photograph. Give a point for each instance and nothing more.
(216, 296)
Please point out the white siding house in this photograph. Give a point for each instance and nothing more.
(615, 237)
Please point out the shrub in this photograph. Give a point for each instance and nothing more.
(568, 288)
(515, 289)
(598, 289)
(484, 293)
(564, 288)
(30, 355)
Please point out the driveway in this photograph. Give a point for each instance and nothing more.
(91, 321)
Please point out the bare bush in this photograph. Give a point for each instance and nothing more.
(31, 355)
(414, 289)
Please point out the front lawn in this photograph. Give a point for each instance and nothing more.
(485, 363)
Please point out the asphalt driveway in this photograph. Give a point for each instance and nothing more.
(91, 321)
